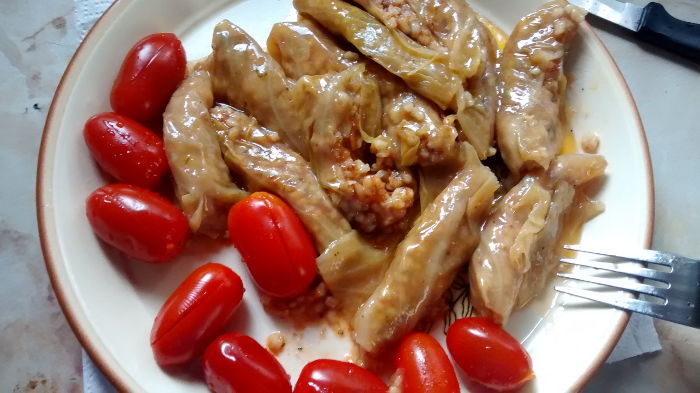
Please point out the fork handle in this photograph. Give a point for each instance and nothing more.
(658, 27)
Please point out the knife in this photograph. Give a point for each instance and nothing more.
(651, 23)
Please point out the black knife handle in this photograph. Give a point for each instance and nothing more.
(660, 28)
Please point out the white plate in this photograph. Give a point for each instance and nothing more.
(111, 302)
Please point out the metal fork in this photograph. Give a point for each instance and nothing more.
(680, 291)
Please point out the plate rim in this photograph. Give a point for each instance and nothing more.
(52, 258)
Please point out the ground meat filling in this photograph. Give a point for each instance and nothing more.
(373, 200)
(400, 15)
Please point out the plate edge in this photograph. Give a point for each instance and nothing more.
(43, 194)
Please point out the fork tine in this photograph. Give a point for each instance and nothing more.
(654, 310)
(632, 271)
(626, 285)
(649, 256)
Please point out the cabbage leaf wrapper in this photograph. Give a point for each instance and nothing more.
(426, 261)
(202, 181)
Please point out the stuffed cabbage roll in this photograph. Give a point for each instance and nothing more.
(471, 49)
(520, 243)
(352, 268)
(453, 29)
(438, 24)
(412, 131)
(202, 181)
(577, 168)
(349, 265)
(528, 124)
(266, 163)
(404, 16)
(496, 270)
(433, 179)
(540, 251)
(459, 46)
(247, 78)
(423, 69)
(341, 106)
(303, 48)
(427, 260)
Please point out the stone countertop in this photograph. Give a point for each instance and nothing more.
(38, 351)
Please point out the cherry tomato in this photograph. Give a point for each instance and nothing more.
(425, 366)
(195, 313)
(138, 222)
(126, 150)
(274, 244)
(149, 75)
(334, 376)
(235, 363)
(488, 354)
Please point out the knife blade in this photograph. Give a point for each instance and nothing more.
(651, 23)
(627, 15)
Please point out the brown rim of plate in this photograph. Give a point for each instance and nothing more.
(101, 359)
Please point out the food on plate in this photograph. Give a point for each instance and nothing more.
(259, 156)
(488, 354)
(275, 343)
(570, 208)
(517, 253)
(529, 119)
(274, 244)
(343, 105)
(578, 168)
(354, 186)
(352, 268)
(453, 30)
(428, 258)
(138, 222)
(424, 366)
(202, 181)
(334, 376)
(590, 142)
(404, 16)
(412, 130)
(303, 48)
(250, 80)
(194, 314)
(538, 249)
(322, 118)
(128, 151)
(149, 75)
(420, 67)
(492, 271)
(235, 363)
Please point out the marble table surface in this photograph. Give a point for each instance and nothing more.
(38, 352)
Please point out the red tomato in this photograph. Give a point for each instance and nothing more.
(149, 75)
(425, 366)
(138, 222)
(274, 244)
(488, 354)
(334, 376)
(195, 313)
(126, 150)
(235, 363)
